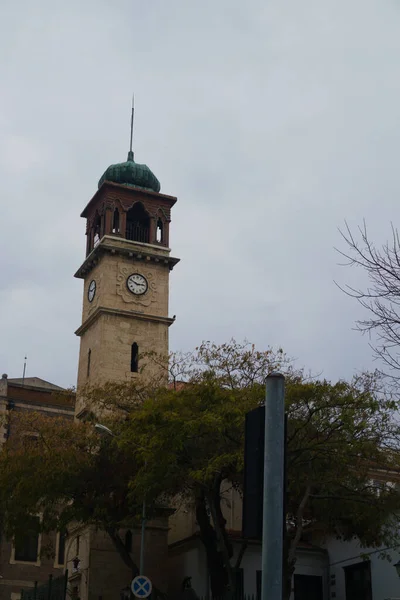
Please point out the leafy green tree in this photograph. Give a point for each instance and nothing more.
(69, 474)
(185, 441)
(189, 440)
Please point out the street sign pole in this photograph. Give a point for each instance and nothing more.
(272, 538)
(143, 533)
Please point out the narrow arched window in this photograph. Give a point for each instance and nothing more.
(88, 362)
(115, 227)
(134, 358)
(128, 541)
(159, 234)
(96, 231)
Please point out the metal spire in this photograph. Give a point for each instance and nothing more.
(23, 374)
(130, 153)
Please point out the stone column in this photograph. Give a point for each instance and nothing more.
(152, 232)
(89, 244)
(166, 234)
(122, 223)
(88, 236)
(108, 220)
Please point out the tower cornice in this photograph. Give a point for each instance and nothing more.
(114, 244)
(132, 314)
(127, 192)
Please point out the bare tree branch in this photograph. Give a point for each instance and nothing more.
(381, 298)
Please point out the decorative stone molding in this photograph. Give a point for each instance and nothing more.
(131, 314)
(146, 299)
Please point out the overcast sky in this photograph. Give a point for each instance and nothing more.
(271, 121)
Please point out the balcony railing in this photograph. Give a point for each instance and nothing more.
(137, 232)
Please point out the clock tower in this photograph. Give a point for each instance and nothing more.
(125, 274)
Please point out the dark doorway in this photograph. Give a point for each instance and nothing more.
(308, 587)
(358, 581)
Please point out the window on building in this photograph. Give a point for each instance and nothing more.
(62, 536)
(160, 232)
(30, 438)
(134, 358)
(128, 541)
(308, 587)
(239, 584)
(26, 546)
(258, 585)
(358, 581)
(88, 362)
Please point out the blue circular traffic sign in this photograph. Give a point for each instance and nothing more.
(141, 587)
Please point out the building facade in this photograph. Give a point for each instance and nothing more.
(187, 557)
(23, 563)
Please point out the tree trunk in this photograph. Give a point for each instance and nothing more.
(290, 545)
(287, 582)
(223, 541)
(127, 559)
(215, 561)
(122, 551)
(288, 569)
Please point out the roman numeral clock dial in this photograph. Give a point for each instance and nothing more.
(91, 290)
(137, 284)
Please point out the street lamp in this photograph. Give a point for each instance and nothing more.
(102, 429)
(397, 567)
(76, 564)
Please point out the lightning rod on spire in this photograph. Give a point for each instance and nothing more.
(130, 155)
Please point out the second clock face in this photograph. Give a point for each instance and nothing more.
(137, 284)
(91, 290)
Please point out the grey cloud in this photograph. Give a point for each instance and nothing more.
(272, 122)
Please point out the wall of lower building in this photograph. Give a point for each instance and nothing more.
(17, 575)
(102, 572)
(49, 400)
(109, 574)
(183, 522)
(189, 560)
(308, 562)
(384, 579)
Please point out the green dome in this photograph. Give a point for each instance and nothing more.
(131, 174)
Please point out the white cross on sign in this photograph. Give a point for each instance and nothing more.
(141, 587)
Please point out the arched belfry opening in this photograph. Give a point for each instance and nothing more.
(115, 225)
(160, 231)
(137, 224)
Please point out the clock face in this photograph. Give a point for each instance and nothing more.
(91, 290)
(137, 284)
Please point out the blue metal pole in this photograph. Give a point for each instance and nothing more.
(272, 540)
(143, 533)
